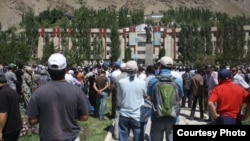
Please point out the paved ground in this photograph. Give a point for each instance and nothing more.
(184, 120)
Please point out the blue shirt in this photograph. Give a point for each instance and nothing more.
(132, 97)
(163, 72)
(152, 82)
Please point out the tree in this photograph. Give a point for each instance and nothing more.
(127, 54)
(162, 52)
(48, 49)
(31, 30)
(115, 44)
(97, 48)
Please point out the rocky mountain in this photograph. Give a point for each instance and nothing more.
(11, 10)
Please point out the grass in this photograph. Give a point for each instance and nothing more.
(92, 130)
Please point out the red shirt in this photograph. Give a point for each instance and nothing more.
(229, 98)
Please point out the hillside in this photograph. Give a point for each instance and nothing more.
(11, 10)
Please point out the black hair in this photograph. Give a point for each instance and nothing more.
(3, 78)
(57, 74)
(166, 67)
(150, 69)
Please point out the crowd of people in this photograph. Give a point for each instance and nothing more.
(71, 94)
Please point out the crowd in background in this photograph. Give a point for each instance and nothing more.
(100, 81)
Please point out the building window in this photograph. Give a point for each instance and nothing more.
(108, 52)
(93, 35)
(108, 44)
(141, 44)
(141, 52)
(108, 35)
(141, 35)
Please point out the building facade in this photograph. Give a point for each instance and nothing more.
(133, 37)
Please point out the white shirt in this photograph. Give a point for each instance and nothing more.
(177, 74)
(238, 79)
(69, 78)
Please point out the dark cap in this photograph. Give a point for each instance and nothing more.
(2, 78)
(224, 74)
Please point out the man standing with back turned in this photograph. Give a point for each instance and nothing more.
(10, 116)
(229, 98)
(165, 124)
(58, 105)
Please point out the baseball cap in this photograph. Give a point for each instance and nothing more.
(123, 66)
(166, 61)
(57, 61)
(132, 65)
(71, 72)
(224, 74)
(117, 64)
(11, 65)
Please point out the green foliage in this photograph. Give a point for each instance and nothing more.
(48, 49)
(13, 48)
(194, 40)
(162, 53)
(115, 44)
(127, 55)
(97, 48)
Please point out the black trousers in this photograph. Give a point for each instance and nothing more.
(199, 99)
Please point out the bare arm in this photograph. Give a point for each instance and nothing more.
(247, 112)
(106, 86)
(3, 119)
(83, 118)
(212, 108)
(96, 89)
(33, 121)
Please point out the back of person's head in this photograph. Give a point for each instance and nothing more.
(123, 67)
(43, 72)
(102, 72)
(117, 64)
(3, 78)
(150, 70)
(12, 66)
(140, 68)
(199, 71)
(57, 66)
(187, 68)
(20, 66)
(28, 69)
(224, 74)
(166, 62)
(132, 68)
(71, 72)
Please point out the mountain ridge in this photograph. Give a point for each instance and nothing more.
(11, 10)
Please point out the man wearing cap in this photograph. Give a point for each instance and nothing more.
(11, 76)
(132, 91)
(116, 72)
(116, 80)
(58, 105)
(10, 116)
(229, 98)
(163, 124)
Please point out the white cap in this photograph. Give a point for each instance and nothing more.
(132, 65)
(123, 66)
(28, 68)
(71, 72)
(57, 61)
(166, 61)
